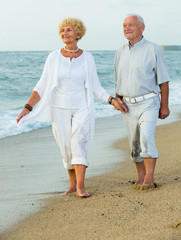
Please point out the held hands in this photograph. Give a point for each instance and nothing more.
(119, 105)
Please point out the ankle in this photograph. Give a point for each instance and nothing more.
(80, 189)
(73, 187)
(148, 180)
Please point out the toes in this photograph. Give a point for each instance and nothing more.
(137, 186)
(69, 191)
(148, 186)
(83, 195)
(139, 182)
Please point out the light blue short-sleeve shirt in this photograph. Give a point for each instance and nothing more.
(139, 69)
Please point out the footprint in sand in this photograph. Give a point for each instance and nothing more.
(177, 225)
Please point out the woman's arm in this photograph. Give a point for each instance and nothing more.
(102, 95)
(33, 100)
(36, 94)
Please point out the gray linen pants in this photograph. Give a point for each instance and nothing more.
(140, 121)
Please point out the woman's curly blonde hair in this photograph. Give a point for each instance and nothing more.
(76, 23)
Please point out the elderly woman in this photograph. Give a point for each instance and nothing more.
(65, 93)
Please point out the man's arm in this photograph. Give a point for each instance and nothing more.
(164, 109)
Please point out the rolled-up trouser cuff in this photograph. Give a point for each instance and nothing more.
(147, 155)
(68, 165)
(137, 160)
(81, 161)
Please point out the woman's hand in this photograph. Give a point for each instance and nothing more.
(24, 112)
(33, 100)
(119, 105)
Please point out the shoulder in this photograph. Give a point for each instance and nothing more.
(53, 55)
(88, 54)
(89, 57)
(153, 46)
(120, 50)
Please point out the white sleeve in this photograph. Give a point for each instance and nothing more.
(161, 69)
(40, 86)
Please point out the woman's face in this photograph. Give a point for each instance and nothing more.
(68, 35)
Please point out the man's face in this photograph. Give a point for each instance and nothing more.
(133, 29)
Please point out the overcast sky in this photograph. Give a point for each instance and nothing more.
(33, 24)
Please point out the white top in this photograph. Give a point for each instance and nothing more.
(139, 69)
(70, 92)
(49, 81)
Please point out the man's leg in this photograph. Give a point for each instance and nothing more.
(133, 130)
(150, 164)
(149, 152)
(141, 172)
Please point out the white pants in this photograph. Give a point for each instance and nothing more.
(71, 131)
(140, 121)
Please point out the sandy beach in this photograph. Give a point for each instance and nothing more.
(115, 211)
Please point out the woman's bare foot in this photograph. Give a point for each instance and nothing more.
(82, 193)
(71, 190)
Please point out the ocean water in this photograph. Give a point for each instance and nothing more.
(20, 71)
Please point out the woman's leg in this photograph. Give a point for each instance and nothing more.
(73, 182)
(80, 134)
(80, 176)
(61, 126)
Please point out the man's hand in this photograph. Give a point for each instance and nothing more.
(119, 105)
(164, 112)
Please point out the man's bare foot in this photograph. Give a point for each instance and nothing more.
(138, 184)
(139, 181)
(148, 180)
(148, 186)
(82, 193)
(71, 190)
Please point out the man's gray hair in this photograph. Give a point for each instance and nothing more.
(140, 19)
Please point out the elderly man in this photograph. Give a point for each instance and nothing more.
(141, 80)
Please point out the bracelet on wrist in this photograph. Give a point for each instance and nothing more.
(110, 101)
(27, 106)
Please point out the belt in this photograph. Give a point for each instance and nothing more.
(139, 99)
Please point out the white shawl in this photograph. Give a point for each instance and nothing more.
(49, 80)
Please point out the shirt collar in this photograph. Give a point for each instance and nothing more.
(137, 44)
